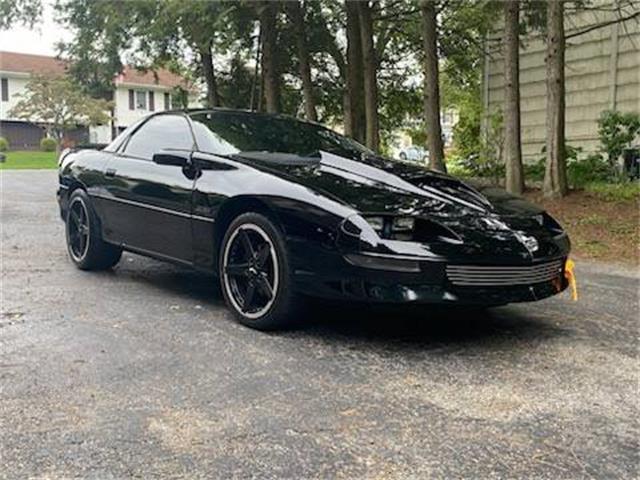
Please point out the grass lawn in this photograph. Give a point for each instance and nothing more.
(29, 160)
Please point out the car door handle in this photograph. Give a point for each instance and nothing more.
(110, 172)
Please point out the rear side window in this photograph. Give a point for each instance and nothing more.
(164, 132)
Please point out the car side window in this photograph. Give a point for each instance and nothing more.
(209, 141)
(163, 132)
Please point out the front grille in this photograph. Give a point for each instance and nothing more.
(495, 276)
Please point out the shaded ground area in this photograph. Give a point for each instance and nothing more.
(142, 373)
(600, 229)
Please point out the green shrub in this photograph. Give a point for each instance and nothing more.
(580, 172)
(588, 170)
(456, 165)
(487, 161)
(615, 192)
(535, 171)
(617, 131)
(466, 132)
(48, 144)
(4, 144)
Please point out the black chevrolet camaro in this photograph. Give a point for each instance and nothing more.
(280, 209)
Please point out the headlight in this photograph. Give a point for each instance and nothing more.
(403, 224)
(408, 229)
(377, 223)
(395, 228)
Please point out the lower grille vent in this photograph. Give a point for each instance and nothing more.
(494, 276)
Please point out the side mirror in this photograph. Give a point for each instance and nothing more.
(177, 159)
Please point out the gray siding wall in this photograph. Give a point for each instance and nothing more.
(602, 70)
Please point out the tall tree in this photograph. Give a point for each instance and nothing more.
(354, 119)
(432, 85)
(555, 177)
(208, 72)
(296, 15)
(331, 77)
(369, 70)
(512, 143)
(268, 12)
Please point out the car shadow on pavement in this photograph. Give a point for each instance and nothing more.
(188, 284)
(424, 327)
(429, 326)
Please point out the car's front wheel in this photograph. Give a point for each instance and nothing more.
(84, 242)
(255, 273)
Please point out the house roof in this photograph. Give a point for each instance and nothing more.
(27, 63)
(43, 65)
(161, 77)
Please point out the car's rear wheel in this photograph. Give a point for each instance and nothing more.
(255, 274)
(403, 156)
(84, 242)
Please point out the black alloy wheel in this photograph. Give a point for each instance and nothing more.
(78, 229)
(84, 242)
(254, 272)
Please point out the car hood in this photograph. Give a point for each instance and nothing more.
(489, 221)
(379, 185)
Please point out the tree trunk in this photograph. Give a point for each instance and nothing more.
(338, 57)
(255, 84)
(296, 15)
(512, 145)
(432, 86)
(206, 62)
(270, 74)
(555, 176)
(369, 70)
(57, 133)
(354, 120)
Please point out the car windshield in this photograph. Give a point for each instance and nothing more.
(228, 133)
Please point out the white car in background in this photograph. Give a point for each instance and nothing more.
(413, 154)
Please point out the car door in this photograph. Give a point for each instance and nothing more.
(148, 206)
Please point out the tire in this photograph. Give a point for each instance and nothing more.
(84, 242)
(403, 156)
(250, 272)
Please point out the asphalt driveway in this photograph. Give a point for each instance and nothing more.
(141, 372)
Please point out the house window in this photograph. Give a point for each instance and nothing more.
(141, 100)
(5, 90)
(167, 101)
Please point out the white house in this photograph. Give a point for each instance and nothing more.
(135, 94)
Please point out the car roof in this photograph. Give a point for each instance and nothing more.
(191, 111)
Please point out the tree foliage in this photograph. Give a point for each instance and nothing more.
(59, 105)
(617, 131)
(356, 63)
(19, 12)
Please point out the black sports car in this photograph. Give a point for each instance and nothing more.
(279, 208)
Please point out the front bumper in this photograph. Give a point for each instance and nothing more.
(333, 276)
